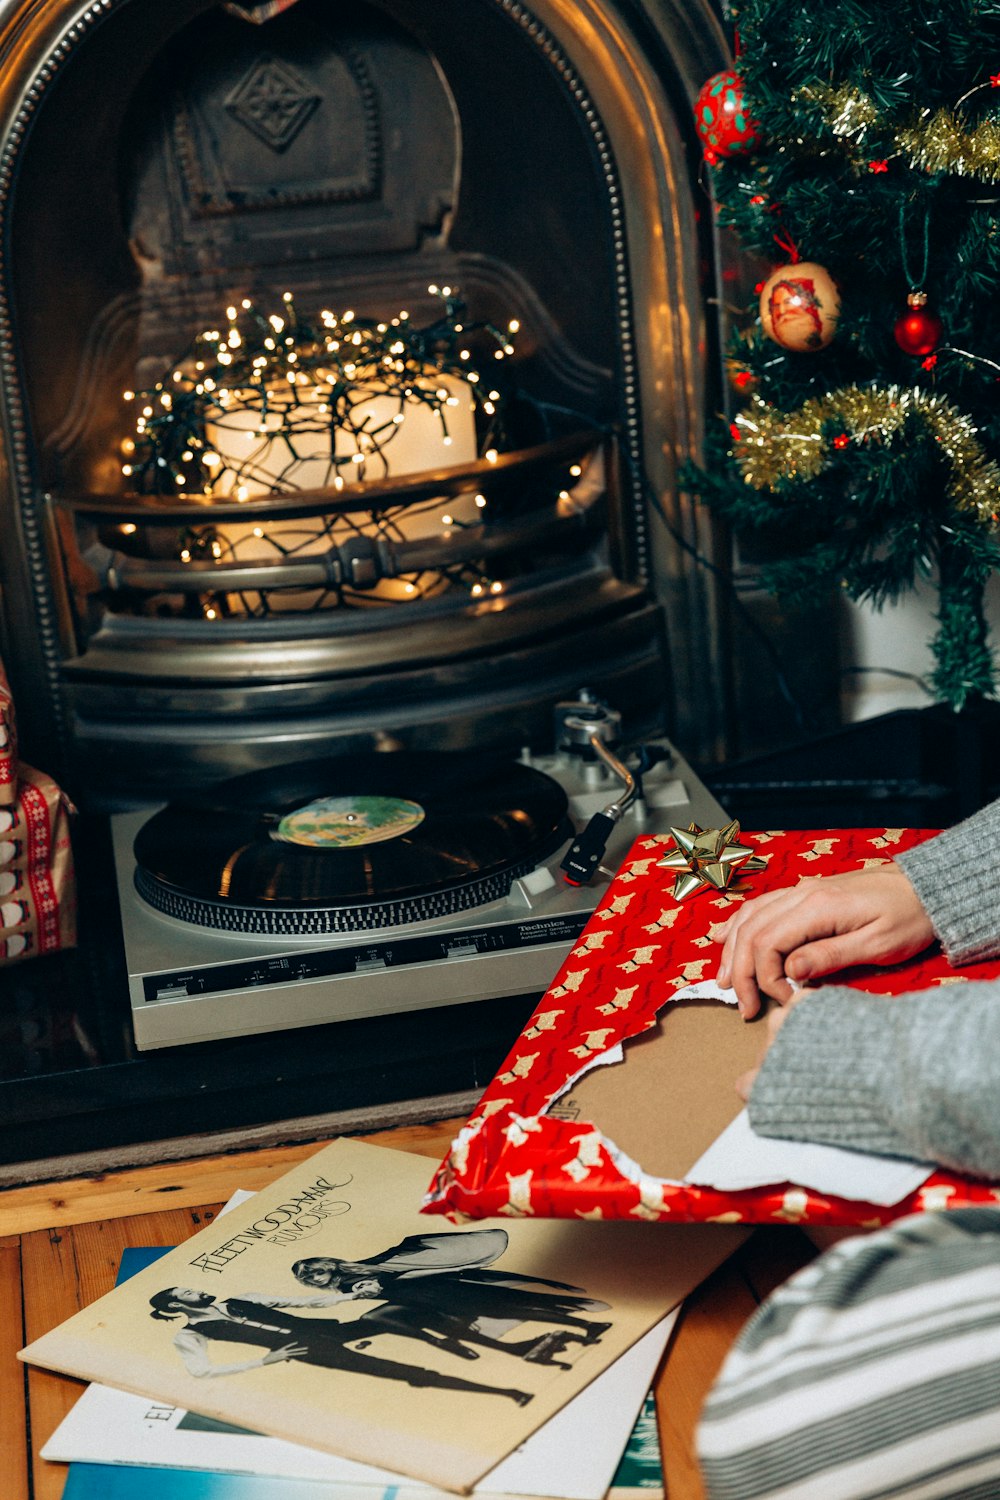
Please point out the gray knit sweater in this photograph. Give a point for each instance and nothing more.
(915, 1075)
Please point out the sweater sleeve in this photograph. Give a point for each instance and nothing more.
(912, 1075)
(957, 877)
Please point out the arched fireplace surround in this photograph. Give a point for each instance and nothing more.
(539, 158)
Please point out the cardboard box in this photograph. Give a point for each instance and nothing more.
(623, 1079)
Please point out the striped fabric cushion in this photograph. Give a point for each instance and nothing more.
(874, 1372)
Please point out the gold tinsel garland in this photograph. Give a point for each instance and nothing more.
(776, 446)
(938, 142)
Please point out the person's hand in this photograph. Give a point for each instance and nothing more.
(819, 926)
(287, 1351)
(776, 1018)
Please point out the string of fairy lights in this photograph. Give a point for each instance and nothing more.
(280, 403)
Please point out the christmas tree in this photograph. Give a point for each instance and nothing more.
(856, 146)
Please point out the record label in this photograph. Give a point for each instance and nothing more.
(349, 822)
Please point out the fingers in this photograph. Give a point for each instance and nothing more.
(804, 932)
(753, 958)
(817, 927)
(826, 956)
(776, 1018)
(745, 1083)
(728, 934)
(756, 974)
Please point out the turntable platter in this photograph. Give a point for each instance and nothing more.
(349, 843)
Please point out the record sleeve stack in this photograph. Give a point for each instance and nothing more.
(509, 1360)
(136, 1449)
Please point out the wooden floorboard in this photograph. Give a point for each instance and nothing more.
(147, 1189)
(13, 1434)
(51, 1269)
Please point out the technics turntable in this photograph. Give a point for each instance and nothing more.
(366, 885)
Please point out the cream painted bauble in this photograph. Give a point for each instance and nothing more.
(799, 307)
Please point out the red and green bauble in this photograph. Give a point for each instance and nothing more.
(799, 307)
(918, 331)
(721, 118)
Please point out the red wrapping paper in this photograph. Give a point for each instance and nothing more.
(640, 947)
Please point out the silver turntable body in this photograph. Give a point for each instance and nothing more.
(189, 983)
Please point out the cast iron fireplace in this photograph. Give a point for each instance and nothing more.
(160, 161)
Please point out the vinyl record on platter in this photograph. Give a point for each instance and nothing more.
(350, 842)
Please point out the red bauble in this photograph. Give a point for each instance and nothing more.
(721, 118)
(918, 331)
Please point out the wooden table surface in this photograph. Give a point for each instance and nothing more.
(60, 1244)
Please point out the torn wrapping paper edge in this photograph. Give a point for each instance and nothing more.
(739, 1158)
(524, 1153)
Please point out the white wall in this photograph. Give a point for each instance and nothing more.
(896, 637)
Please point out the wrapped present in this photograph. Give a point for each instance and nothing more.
(618, 1099)
(8, 744)
(37, 885)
